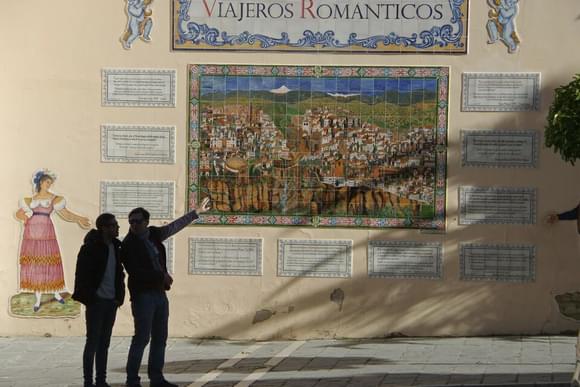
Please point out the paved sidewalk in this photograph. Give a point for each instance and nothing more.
(507, 361)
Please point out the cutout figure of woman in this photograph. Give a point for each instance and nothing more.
(40, 260)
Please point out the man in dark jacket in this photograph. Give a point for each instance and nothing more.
(144, 258)
(99, 285)
(573, 214)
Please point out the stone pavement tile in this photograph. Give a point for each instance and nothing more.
(537, 359)
(563, 358)
(404, 359)
(329, 344)
(412, 358)
(376, 360)
(366, 381)
(438, 341)
(231, 377)
(480, 342)
(465, 379)
(505, 359)
(476, 356)
(301, 383)
(322, 352)
(268, 383)
(504, 378)
(271, 349)
(563, 368)
(201, 365)
(562, 376)
(420, 348)
(9, 358)
(393, 344)
(531, 369)
(436, 369)
(399, 379)
(426, 379)
(332, 382)
(187, 366)
(249, 364)
(292, 364)
(324, 363)
(351, 362)
(403, 369)
(442, 348)
(534, 377)
(562, 348)
(219, 384)
(313, 353)
(369, 344)
(303, 374)
(445, 360)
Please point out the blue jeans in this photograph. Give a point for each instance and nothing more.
(150, 314)
(100, 317)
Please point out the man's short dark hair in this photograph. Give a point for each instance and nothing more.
(140, 210)
(104, 220)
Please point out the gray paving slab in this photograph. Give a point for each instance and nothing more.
(491, 361)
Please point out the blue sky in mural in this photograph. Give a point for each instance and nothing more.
(367, 86)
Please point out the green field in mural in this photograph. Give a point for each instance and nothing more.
(289, 146)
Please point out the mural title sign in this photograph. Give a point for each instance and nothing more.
(401, 26)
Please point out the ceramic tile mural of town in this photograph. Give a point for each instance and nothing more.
(319, 146)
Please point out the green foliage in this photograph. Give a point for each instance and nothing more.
(563, 128)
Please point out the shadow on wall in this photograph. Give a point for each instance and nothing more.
(381, 307)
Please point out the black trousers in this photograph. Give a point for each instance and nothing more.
(100, 318)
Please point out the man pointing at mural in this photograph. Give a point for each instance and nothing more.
(572, 214)
(144, 258)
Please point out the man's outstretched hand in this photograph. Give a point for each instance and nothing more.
(204, 207)
(552, 218)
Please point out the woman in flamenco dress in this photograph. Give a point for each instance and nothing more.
(41, 268)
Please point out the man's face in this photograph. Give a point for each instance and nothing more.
(138, 224)
(111, 229)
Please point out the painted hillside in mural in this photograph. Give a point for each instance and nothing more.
(353, 147)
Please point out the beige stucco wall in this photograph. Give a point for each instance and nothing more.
(50, 114)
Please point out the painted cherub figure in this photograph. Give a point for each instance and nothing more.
(139, 22)
(502, 25)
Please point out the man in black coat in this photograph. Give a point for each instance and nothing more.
(573, 214)
(145, 260)
(99, 285)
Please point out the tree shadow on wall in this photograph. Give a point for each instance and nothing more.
(361, 306)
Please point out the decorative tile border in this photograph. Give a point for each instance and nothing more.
(497, 262)
(314, 258)
(138, 87)
(497, 205)
(500, 92)
(225, 256)
(405, 259)
(196, 191)
(157, 197)
(138, 144)
(430, 27)
(499, 148)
